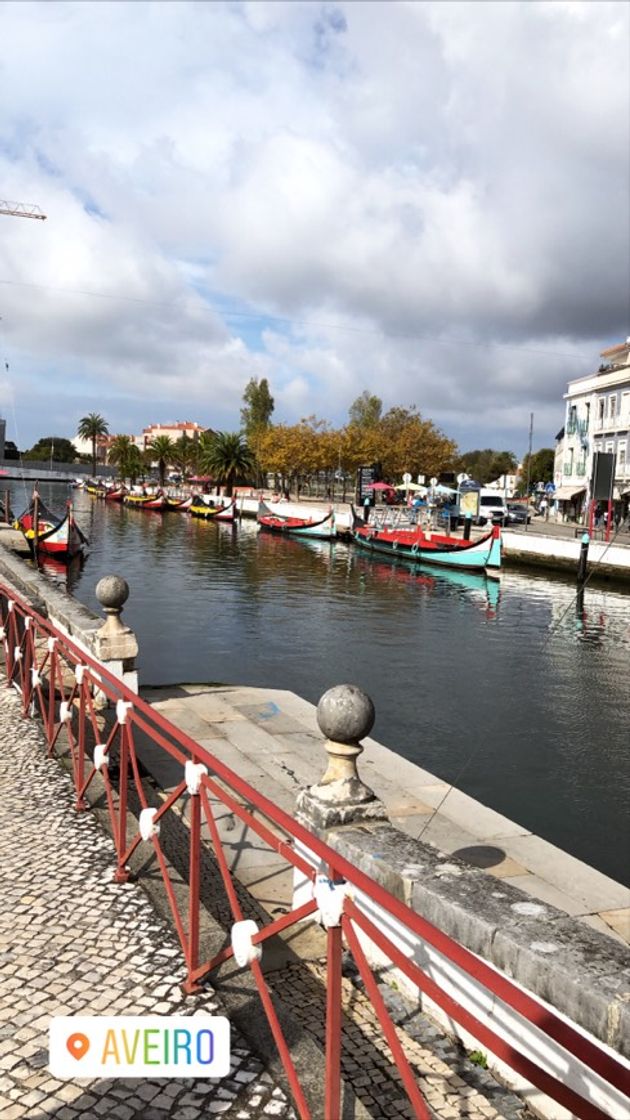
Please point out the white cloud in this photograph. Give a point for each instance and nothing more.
(446, 182)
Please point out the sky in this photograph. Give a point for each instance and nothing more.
(427, 200)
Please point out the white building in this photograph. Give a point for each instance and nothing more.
(597, 418)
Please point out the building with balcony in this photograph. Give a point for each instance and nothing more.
(597, 418)
(174, 431)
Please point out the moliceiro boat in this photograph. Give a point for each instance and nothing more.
(47, 535)
(424, 547)
(211, 512)
(157, 501)
(322, 528)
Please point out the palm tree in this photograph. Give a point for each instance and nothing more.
(91, 427)
(184, 457)
(226, 457)
(161, 449)
(127, 456)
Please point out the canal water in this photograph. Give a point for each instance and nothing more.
(507, 688)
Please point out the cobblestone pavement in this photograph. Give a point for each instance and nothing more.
(73, 942)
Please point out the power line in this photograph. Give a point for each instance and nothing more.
(286, 321)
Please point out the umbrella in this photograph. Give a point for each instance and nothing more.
(380, 486)
(439, 489)
(410, 486)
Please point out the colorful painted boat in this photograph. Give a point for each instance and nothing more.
(116, 494)
(201, 509)
(418, 546)
(322, 528)
(157, 501)
(182, 505)
(95, 489)
(59, 538)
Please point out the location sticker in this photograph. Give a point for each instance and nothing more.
(78, 1045)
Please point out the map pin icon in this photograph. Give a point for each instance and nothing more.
(78, 1045)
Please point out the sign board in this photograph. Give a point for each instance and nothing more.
(434, 481)
(406, 477)
(469, 503)
(420, 480)
(603, 476)
(462, 478)
(365, 478)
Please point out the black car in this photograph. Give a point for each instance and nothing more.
(517, 514)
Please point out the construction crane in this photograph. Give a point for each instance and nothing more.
(21, 210)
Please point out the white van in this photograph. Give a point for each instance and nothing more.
(492, 507)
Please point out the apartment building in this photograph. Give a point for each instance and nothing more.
(597, 418)
(174, 431)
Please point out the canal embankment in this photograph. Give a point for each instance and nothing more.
(272, 739)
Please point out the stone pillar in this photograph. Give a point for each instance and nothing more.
(115, 644)
(345, 715)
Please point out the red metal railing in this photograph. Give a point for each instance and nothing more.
(64, 686)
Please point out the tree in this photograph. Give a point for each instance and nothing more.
(406, 442)
(227, 458)
(185, 454)
(161, 451)
(541, 467)
(365, 411)
(53, 447)
(487, 465)
(258, 407)
(127, 456)
(91, 427)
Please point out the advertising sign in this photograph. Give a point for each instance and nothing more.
(365, 478)
(603, 476)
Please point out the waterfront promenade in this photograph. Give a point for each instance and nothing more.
(74, 942)
(272, 739)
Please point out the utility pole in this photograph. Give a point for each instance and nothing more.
(21, 210)
(529, 466)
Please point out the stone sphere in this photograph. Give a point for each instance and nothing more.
(345, 714)
(112, 591)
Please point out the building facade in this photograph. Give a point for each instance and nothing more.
(174, 431)
(597, 418)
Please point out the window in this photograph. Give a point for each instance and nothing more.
(621, 458)
(612, 407)
(600, 411)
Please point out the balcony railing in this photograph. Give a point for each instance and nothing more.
(580, 470)
(577, 427)
(62, 687)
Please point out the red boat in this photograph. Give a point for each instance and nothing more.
(157, 501)
(117, 494)
(322, 528)
(182, 505)
(60, 539)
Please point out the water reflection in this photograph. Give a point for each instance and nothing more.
(515, 681)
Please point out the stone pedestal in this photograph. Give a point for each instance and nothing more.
(115, 644)
(345, 714)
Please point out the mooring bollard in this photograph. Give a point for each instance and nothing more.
(116, 645)
(467, 526)
(582, 562)
(345, 715)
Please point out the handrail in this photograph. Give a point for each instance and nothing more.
(30, 666)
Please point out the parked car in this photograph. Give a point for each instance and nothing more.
(492, 508)
(517, 514)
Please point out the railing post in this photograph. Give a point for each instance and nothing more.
(190, 986)
(345, 715)
(116, 645)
